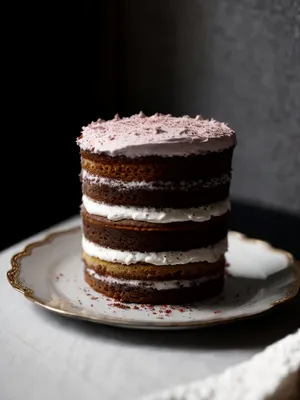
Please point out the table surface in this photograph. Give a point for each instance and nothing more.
(44, 355)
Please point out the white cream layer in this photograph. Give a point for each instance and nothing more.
(155, 185)
(157, 285)
(210, 254)
(163, 216)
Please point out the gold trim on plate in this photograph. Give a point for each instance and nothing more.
(13, 276)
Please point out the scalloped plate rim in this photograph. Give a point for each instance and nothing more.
(16, 264)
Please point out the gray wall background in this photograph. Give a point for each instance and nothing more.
(235, 60)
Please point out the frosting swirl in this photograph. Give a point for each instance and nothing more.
(157, 135)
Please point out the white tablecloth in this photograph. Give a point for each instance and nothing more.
(45, 356)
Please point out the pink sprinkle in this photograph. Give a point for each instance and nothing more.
(217, 312)
(137, 131)
(92, 305)
(168, 311)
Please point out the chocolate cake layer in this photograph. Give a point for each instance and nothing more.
(155, 207)
(140, 294)
(154, 168)
(140, 236)
(156, 198)
(154, 273)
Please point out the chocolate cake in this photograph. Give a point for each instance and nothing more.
(155, 207)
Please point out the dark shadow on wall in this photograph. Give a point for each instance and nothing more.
(158, 55)
(279, 228)
(230, 60)
(62, 77)
(113, 56)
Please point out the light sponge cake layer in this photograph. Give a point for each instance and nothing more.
(143, 271)
(142, 283)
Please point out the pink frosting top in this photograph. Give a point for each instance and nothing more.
(157, 135)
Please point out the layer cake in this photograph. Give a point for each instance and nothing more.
(155, 207)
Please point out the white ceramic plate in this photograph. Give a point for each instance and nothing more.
(50, 273)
